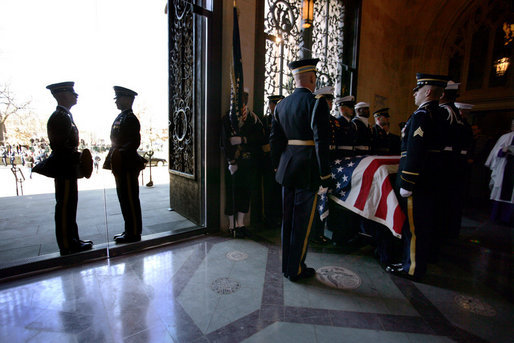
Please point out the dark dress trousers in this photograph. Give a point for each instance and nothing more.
(299, 142)
(239, 187)
(420, 172)
(126, 163)
(62, 165)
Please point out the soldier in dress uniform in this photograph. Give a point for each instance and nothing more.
(125, 164)
(419, 174)
(384, 142)
(271, 190)
(363, 137)
(456, 151)
(343, 223)
(318, 226)
(300, 141)
(243, 151)
(65, 164)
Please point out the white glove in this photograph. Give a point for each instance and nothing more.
(232, 168)
(236, 140)
(405, 193)
(322, 190)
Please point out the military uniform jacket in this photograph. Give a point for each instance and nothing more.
(64, 141)
(301, 116)
(252, 133)
(362, 136)
(455, 130)
(420, 148)
(125, 137)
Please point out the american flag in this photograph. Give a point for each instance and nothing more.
(363, 187)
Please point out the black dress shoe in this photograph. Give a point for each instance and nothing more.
(127, 239)
(87, 241)
(119, 235)
(78, 247)
(240, 232)
(394, 268)
(305, 274)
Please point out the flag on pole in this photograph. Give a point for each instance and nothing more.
(363, 187)
(236, 73)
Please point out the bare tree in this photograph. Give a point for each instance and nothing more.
(9, 106)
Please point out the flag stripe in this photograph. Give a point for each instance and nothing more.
(382, 205)
(367, 179)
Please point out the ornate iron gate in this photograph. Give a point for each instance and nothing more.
(282, 27)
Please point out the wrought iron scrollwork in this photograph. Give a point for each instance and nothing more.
(181, 87)
(284, 38)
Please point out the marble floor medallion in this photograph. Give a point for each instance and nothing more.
(475, 305)
(237, 255)
(338, 277)
(224, 285)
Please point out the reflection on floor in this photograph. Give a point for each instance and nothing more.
(217, 289)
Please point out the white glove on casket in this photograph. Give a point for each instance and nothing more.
(405, 193)
(235, 140)
(232, 168)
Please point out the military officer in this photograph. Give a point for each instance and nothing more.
(300, 141)
(363, 135)
(455, 153)
(125, 164)
(65, 164)
(384, 142)
(418, 175)
(243, 151)
(272, 191)
(346, 139)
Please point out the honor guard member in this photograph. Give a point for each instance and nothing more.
(343, 223)
(458, 140)
(243, 151)
(318, 229)
(363, 136)
(384, 142)
(271, 190)
(65, 164)
(125, 164)
(299, 151)
(418, 175)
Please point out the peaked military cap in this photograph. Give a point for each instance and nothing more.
(361, 105)
(122, 91)
(381, 112)
(452, 86)
(303, 66)
(346, 101)
(430, 79)
(275, 98)
(327, 92)
(61, 87)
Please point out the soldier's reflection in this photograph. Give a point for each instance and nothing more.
(81, 311)
(133, 303)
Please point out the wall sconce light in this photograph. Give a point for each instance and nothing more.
(501, 66)
(307, 13)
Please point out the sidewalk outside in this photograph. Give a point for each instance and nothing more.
(27, 222)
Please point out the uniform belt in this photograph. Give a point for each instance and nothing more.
(433, 150)
(332, 147)
(361, 147)
(447, 148)
(463, 152)
(300, 142)
(344, 147)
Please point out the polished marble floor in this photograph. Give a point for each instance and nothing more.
(217, 289)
